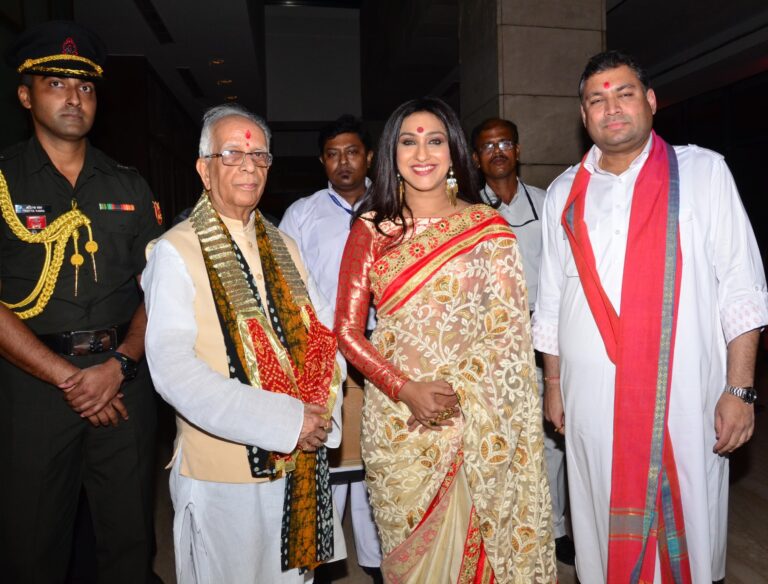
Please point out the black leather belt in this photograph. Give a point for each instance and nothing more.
(79, 343)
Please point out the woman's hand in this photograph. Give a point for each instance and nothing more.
(433, 403)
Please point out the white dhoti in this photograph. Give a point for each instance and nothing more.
(230, 533)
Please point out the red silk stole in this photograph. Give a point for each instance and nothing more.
(646, 510)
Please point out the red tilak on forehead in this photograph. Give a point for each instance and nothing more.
(419, 129)
(247, 134)
(606, 85)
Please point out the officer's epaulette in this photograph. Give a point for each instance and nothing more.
(12, 151)
(126, 168)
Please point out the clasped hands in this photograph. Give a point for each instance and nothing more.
(314, 430)
(433, 404)
(93, 393)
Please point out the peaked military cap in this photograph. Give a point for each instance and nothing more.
(58, 48)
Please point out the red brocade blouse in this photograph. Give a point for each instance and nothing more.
(364, 246)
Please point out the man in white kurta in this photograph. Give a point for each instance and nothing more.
(227, 523)
(722, 302)
(319, 224)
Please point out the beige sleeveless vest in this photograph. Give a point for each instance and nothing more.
(206, 457)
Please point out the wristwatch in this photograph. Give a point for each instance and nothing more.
(128, 366)
(748, 394)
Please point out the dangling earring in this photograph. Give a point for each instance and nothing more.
(451, 187)
(400, 189)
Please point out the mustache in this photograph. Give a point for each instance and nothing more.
(614, 120)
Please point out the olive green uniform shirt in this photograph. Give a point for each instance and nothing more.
(119, 204)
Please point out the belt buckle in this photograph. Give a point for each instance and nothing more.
(89, 342)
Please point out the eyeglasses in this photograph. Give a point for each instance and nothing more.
(503, 145)
(236, 157)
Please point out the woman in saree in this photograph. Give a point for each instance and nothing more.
(451, 424)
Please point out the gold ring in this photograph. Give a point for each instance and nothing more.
(445, 415)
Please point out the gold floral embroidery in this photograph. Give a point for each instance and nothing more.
(494, 449)
(469, 325)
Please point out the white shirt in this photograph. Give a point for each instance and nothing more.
(319, 224)
(524, 217)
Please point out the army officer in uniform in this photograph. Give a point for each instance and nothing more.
(76, 402)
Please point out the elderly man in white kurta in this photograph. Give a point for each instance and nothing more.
(237, 348)
(649, 266)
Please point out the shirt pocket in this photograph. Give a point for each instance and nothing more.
(116, 233)
(118, 223)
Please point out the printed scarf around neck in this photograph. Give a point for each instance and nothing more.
(645, 509)
(285, 350)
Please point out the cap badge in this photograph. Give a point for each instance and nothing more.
(158, 212)
(68, 47)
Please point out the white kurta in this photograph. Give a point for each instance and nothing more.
(223, 532)
(722, 295)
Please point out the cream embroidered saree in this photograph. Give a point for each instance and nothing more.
(469, 503)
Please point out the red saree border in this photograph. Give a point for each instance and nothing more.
(423, 268)
(475, 567)
(450, 476)
(403, 555)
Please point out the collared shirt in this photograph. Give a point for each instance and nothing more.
(319, 224)
(524, 217)
(722, 269)
(119, 204)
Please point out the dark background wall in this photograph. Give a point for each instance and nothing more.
(149, 105)
(731, 120)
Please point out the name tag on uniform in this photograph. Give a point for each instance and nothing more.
(116, 207)
(32, 209)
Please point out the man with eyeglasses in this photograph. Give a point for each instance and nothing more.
(496, 150)
(235, 343)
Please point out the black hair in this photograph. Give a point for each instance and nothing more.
(26, 79)
(610, 60)
(383, 197)
(346, 124)
(490, 123)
